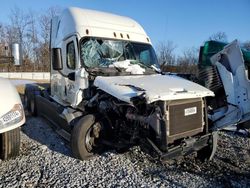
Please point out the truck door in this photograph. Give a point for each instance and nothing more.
(76, 78)
(71, 62)
(71, 65)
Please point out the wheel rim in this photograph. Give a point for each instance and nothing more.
(92, 137)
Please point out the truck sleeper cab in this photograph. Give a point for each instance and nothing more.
(107, 91)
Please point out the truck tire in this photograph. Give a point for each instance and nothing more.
(84, 142)
(207, 153)
(26, 99)
(30, 99)
(33, 107)
(10, 144)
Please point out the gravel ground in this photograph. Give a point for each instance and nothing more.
(46, 161)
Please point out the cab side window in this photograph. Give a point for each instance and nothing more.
(71, 56)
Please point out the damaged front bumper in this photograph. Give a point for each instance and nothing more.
(188, 146)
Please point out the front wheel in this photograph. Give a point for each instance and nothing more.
(10, 144)
(85, 137)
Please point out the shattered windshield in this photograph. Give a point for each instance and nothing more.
(125, 55)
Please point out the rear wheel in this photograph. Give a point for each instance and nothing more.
(26, 103)
(33, 108)
(10, 144)
(26, 99)
(30, 99)
(85, 137)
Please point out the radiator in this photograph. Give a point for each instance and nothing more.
(184, 118)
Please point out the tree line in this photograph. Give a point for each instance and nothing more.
(32, 31)
(187, 61)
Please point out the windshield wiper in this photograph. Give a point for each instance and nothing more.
(156, 69)
(118, 68)
(95, 71)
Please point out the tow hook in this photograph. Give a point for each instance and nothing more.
(189, 142)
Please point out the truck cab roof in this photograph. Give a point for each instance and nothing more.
(91, 23)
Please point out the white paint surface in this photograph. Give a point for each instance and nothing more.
(8, 99)
(156, 87)
(91, 23)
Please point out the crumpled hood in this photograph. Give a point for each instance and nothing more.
(8, 96)
(155, 87)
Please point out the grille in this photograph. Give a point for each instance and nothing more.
(185, 118)
(211, 78)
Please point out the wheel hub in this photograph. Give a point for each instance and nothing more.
(92, 135)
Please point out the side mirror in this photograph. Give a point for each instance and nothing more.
(72, 76)
(57, 59)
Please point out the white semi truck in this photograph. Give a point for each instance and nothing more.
(107, 91)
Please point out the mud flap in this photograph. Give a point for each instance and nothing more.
(214, 144)
(207, 152)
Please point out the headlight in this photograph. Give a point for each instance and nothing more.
(14, 116)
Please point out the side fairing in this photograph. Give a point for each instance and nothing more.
(230, 65)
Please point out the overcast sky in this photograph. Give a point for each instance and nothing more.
(187, 23)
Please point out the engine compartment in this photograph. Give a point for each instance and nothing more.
(164, 126)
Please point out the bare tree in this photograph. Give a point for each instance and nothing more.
(31, 39)
(165, 54)
(219, 36)
(17, 30)
(2, 39)
(45, 23)
(20, 21)
(32, 32)
(187, 62)
(2, 33)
